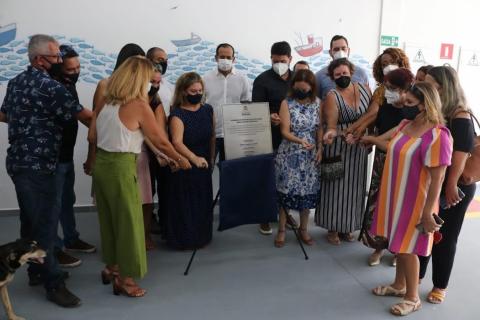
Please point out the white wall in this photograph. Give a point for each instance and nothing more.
(250, 26)
(427, 24)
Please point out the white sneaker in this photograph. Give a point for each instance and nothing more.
(265, 232)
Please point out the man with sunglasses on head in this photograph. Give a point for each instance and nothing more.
(67, 73)
(36, 108)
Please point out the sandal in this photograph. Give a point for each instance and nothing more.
(349, 237)
(332, 238)
(375, 257)
(129, 289)
(388, 291)
(279, 243)
(437, 295)
(307, 240)
(405, 307)
(108, 275)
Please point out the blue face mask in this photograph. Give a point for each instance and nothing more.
(410, 112)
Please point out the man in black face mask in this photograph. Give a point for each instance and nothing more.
(67, 73)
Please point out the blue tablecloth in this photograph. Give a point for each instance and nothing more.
(247, 191)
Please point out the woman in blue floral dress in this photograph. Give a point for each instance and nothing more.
(296, 163)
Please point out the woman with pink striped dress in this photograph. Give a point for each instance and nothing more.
(418, 151)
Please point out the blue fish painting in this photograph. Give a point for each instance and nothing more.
(190, 54)
(76, 40)
(240, 67)
(85, 46)
(12, 57)
(97, 63)
(88, 56)
(94, 69)
(15, 43)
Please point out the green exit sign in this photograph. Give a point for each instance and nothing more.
(389, 41)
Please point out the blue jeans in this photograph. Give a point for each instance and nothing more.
(36, 193)
(65, 181)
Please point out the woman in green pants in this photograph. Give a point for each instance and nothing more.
(118, 129)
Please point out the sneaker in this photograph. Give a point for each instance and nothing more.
(291, 222)
(81, 246)
(265, 229)
(67, 261)
(63, 297)
(36, 279)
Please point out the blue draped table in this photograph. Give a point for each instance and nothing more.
(247, 191)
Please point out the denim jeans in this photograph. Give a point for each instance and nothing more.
(36, 194)
(65, 181)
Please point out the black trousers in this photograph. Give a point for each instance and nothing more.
(443, 253)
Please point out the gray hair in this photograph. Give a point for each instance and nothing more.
(38, 45)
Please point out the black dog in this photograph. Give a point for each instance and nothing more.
(12, 256)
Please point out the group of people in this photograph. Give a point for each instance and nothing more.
(146, 137)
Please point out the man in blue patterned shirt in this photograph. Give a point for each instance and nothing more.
(36, 107)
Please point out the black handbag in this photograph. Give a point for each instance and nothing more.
(332, 168)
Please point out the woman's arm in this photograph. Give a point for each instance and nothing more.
(381, 141)
(157, 136)
(459, 158)
(330, 116)
(319, 138)
(437, 175)
(98, 103)
(213, 142)
(176, 131)
(285, 127)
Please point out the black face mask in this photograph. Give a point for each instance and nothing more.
(55, 70)
(343, 81)
(194, 98)
(71, 78)
(300, 95)
(164, 66)
(153, 91)
(410, 112)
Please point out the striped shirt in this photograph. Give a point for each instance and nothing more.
(404, 187)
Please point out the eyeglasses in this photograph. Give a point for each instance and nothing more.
(57, 56)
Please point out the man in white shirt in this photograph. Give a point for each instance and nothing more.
(159, 57)
(224, 85)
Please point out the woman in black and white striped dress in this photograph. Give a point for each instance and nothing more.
(344, 166)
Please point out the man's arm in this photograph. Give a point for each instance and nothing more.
(259, 94)
(3, 117)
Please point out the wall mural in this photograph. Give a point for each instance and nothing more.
(191, 54)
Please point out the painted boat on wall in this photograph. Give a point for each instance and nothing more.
(194, 39)
(8, 33)
(312, 47)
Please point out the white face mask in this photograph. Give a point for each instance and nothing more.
(389, 68)
(280, 68)
(340, 54)
(392, 96)
(224, 64)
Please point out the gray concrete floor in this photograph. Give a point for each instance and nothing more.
(242, 276)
